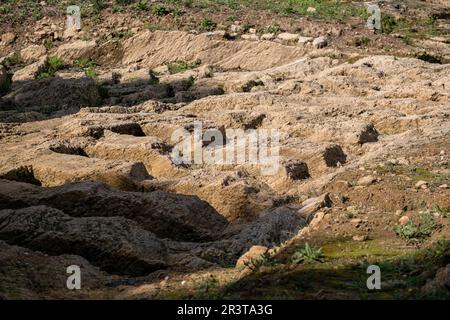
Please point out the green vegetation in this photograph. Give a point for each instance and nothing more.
(388, 23)
(121, 34)
(207, 25)
(88, 65)
(420, 231)
(444, 211)
(416, 173)
(272, 29)
(142, 5)
(265, 260)
(181, 66)
(14, 59)
(160, 11)
(307, 254)
(360, 41)
(52, 66)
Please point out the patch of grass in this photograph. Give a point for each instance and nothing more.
(415, 173)
(181, 66)
(207, 25)
(360, 41)
(247, 26)
(420, 231)
(438, 249)
(444, 211)
(141, 5)
(121, 34)
(160, 11)
(88, 65)
(388, 23)
(53, 64)
(14, 59)
(274, 28)
(308, 254)
(265, 260)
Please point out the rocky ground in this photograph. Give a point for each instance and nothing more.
(87, 177)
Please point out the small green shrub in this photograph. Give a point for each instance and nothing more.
(273, 28)
(388, 24)
(420, 231)
(53, 64)
(208, 25)
(88, 65)
(124, 2)
(181, 66)
(307, 254)
(438, 249)
(265, 260)
(444, 211)
(160, 11)
(14, 59)
(142, 5)
(361, 41)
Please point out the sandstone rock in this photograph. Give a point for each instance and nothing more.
(403, 220)
(334, 156)
(33, 53)
(360, 238)
(251, 37)
(366, 181)
(440, 282)
(362, 133)
(235, 28)
(352, 132)
(253, 254)
(135, 77)
(167, 215)
(421, 185)
(76, 50)
(295, 170)
(48, 273)
(286, 37)
(444, 186)
(356, 221)
(152, 152)
(115, 244)
(59, 169)
(268, 36)
(31, 71)
(274, 226)
(320, 42)
(318, 218)
(51, 94)
(312, 205)
(7, 38)
(205, 71)
(305, 40)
